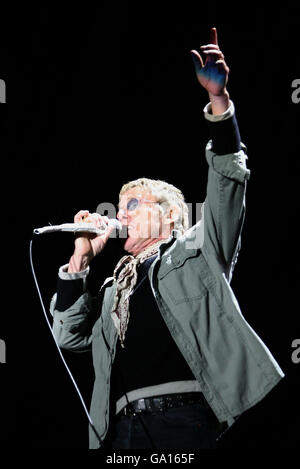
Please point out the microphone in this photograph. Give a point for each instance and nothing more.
(80, 227)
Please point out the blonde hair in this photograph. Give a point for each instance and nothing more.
(167, 195)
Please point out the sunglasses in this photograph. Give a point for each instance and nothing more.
(133, 204)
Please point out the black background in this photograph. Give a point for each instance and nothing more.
(100, 96)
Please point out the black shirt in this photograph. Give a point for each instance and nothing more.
(150, 356)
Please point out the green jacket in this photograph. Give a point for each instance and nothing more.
(190, 280)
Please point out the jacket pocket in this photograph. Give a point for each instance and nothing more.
(182, 280)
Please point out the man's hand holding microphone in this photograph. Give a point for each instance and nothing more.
(88, 245)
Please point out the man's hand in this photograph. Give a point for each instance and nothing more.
(213, 74)
(88, 245)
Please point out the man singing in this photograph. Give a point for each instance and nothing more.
(174, 359)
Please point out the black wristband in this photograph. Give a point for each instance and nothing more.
(68, 292)
(225, 136)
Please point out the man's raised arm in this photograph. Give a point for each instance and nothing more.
(224, 205)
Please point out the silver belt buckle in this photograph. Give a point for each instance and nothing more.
(141, 404)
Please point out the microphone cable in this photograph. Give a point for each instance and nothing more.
(59, 350)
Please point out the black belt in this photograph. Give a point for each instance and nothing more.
(161, 403)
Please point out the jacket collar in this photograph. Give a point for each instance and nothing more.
(175, 234)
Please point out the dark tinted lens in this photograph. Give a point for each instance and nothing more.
(132, 204)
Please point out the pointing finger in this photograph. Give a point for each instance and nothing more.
(213, 36)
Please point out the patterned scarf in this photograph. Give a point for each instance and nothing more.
(125, 275)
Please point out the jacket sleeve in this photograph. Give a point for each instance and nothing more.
(222, 215)
(74, 311)
(224, 206)
(72, 328)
